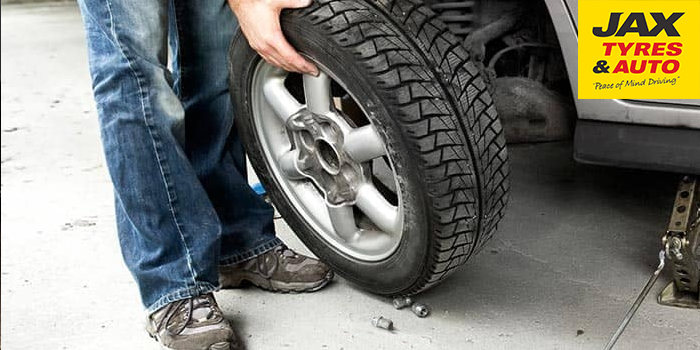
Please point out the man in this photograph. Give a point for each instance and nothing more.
(187, 220)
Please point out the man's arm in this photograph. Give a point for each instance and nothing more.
(260, 23)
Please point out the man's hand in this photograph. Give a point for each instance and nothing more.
(260, 23)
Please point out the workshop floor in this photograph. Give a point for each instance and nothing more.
(577, 244)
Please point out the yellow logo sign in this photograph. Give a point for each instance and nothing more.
(641, 49)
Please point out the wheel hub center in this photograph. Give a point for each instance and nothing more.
(328, 157)
(322, 158)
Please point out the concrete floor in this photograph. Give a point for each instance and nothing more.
(577, 244)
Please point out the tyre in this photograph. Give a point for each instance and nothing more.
(391, 165)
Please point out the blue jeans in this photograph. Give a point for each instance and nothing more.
(183, 204)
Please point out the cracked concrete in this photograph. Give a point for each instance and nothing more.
(577, 243)
(562, 274)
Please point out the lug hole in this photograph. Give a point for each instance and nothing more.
(307, 138)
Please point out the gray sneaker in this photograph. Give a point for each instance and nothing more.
(279, 270)
(192, 324)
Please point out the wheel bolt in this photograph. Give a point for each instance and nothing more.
(421, 310)
(383, 323)
(402, 302)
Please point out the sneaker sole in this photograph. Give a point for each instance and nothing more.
(275, 286)
(217, 346)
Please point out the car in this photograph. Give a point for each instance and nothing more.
(657, 134)
(392, 164)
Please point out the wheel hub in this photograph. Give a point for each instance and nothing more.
(321, 157)
(325, 165)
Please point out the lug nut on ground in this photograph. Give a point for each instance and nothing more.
(402, 302)
(421, 310)
(383, 323)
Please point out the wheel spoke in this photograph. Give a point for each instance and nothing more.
(317, 91)
(343, 221)
(286, 162)
(280, 99)
(363, 144)
(378, 209)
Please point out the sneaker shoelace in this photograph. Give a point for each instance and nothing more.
(284, 252)
(186, 308)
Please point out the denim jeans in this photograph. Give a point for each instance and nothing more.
(183, 204)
